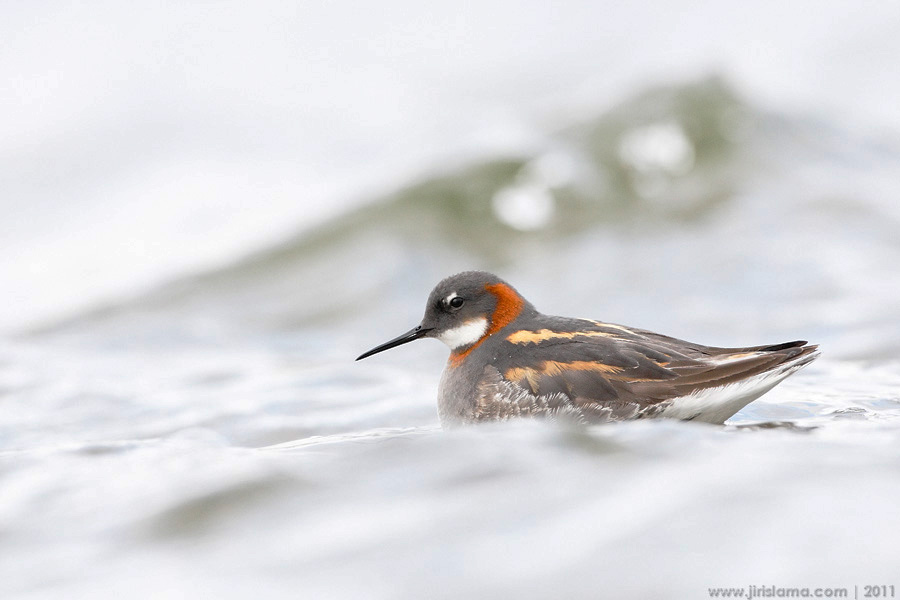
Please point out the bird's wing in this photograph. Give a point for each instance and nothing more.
(606, 367)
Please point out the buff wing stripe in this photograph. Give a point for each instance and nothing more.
(523, 336)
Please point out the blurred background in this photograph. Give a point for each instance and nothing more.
(210, 208)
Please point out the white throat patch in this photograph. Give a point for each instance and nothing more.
(466, 334)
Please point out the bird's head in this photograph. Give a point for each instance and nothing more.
(463, 310)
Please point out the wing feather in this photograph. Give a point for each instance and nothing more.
(623, 370)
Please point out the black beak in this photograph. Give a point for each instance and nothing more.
(412, 334)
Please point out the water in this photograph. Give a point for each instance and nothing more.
(168, 488)
(211, 436)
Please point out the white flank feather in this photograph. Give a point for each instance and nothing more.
(716, 405)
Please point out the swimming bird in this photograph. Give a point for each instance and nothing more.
(508, 360)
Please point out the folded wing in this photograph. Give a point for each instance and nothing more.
(608, 371)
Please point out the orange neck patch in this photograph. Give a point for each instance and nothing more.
(509, 307)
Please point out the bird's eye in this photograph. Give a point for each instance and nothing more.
(456, 302)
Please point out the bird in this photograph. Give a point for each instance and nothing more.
(507, 360)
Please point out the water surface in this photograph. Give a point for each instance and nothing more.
(212, 437)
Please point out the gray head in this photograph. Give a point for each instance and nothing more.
(463, 310)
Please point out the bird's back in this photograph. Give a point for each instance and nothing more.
(592, 371)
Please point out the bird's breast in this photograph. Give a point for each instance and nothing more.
(457, 393)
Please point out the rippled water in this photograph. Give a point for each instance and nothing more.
(214, 438)
(157, 474)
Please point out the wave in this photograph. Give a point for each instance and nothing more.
(668, 158)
